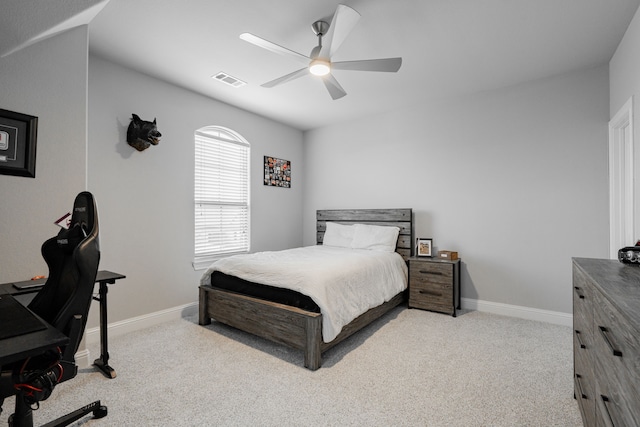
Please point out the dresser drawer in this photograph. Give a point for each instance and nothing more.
(611, 407)
(582, 305)
(584, 385)
(582, 358)
(584, 390)
(617, 361)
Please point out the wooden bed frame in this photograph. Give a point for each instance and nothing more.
(295, 327)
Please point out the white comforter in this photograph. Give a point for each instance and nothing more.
(343, 282)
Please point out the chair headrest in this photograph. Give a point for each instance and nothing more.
(84, 212)
(83, 223)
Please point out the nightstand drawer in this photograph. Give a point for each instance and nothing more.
(431, 272)
(431, 298)
(434, 289)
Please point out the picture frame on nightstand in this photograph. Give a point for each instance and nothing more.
(424, 247)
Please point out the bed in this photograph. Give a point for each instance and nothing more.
(291, 318)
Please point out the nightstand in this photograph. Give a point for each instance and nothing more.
(434, 284)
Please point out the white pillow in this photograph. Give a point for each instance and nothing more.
(375, 237)
(338, 235)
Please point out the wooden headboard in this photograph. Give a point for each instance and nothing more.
(401, 218)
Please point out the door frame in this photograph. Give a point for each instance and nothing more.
(621, 180)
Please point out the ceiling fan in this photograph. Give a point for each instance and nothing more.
(330, 37)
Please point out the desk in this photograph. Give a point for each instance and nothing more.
(18, 347)
(103, 278)
(31, 344)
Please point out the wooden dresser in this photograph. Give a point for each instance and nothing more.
(606, 341)
(434, 284)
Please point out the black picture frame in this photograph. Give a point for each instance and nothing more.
(18, 138)
(424, 247)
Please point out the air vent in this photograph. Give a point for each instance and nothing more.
(230, 80)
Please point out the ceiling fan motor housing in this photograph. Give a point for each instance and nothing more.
(320, 28)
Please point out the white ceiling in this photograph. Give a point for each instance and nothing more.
(449, 47)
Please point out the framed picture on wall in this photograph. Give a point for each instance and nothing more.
(277, 172)
(424, 247)
(18, 133)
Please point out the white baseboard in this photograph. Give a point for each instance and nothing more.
(92, 335)
(555, 317)
(122, 327)
(83, 358)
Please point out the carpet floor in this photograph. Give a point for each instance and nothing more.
(408, 368)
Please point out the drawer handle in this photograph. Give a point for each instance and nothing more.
(577, 288)
(608, 421)
(435, 273)
(605, 335)
(437, 294)
(578, 377)
(579, 337)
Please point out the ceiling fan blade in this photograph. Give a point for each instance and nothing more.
(291, 76)
(341, 25)
(265, 44)
(335, 90)
(389, 65)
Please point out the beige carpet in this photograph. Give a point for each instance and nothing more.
(410, 368)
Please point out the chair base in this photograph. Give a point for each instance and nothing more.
(23, 417)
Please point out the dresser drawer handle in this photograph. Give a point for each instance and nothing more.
(605, 335)
(582, 395)
(435, 273)
(577, 288)
(608, 421)
(437, 294)
(579, 337)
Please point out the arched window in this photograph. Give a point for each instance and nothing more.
(221, 194)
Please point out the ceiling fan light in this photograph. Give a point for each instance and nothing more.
(320, 67)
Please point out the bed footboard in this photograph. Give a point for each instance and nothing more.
(286, 325)
(280, 323)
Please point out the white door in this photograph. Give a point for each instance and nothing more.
(621, 177)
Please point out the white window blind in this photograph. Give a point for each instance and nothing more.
(221, 194)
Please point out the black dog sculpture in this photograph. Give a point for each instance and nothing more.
(141, 134)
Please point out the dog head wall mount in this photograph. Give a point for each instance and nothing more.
(142, 134)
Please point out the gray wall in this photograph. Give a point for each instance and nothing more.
(47, 80)
(624, 68)
(515, 180)
(624, 75)
(146, 198)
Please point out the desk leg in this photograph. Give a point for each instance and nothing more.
(102, 362)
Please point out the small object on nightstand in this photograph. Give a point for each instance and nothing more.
(434, 284)
(424, 247)
(448, 255)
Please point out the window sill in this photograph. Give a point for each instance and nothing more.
(203, 262)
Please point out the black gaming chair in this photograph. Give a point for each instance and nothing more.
(72, 257)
